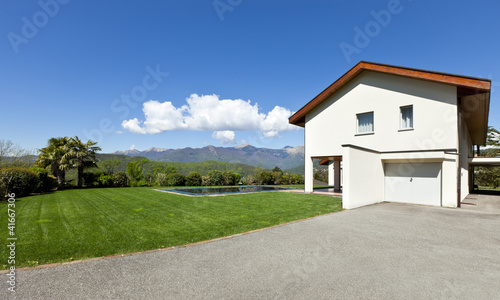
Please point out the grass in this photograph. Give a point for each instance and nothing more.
(78, 224)
(488, 188)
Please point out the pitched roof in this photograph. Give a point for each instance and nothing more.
(466, 86)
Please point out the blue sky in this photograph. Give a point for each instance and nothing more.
(176, 74)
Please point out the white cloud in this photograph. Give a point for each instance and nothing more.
(132, 147)
(271, 134)
(224, 137)
(209, 113)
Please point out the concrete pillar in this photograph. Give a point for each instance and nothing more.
(308, 175)
(330, 173)
(336, 182)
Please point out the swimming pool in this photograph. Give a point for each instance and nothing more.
(226, 190)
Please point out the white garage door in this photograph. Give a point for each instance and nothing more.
(418, 183)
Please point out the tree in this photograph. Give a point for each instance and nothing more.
(193, 179)
(215, 177)
(51, 157)
(493, 138)
(134, 170)
(488, 176)
(161, 179)
(175, 179)
(12, 155)
(81, 156)
(266, 178)
(120, 179)
(109, 166)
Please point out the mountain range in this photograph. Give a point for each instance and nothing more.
(285, 158)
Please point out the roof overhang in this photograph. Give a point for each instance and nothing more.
(484, 161)
(475, 111)
(477, 122)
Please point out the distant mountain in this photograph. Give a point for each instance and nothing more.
(285, 158)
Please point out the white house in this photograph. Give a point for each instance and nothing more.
(400, 134)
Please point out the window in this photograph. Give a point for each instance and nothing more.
(407, 117)
(365, 122)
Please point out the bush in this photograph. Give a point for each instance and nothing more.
(46, 182)
(266, 178)
(19, 181)
(105, 180)
(193, 179)
(230, 178)
(205, 180)
(120, 179)
(175, 179)
(298, 179)
(488, 176)
(90, 179)
(161, 179)
(215, 177)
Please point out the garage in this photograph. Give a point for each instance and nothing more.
(418, 183)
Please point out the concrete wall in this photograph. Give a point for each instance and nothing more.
(466, 152)
(449, 181)
(333, 123)
(363, 178)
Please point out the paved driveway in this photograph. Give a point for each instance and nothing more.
(382, 251)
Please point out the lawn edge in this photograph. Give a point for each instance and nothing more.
(53, 265)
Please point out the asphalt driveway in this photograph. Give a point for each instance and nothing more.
(382, 251)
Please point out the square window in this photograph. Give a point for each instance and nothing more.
(407, 117)
(365, 122)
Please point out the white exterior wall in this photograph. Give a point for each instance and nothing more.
(449, 181)
(466, 151)
(333, 124)
(363, 178)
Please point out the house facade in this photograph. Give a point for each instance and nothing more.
(396, 134)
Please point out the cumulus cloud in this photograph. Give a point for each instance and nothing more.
(225, 137)
(209, 113)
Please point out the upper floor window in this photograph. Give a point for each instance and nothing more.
(407, 117)
(365, 123)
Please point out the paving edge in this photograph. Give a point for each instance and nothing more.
(160, 249)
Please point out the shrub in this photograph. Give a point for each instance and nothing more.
(90, 179)
(139, 183)
(193, 179)
(46, 182)
(230, 178)
(105, 180)
(266, 178)
(161, 179)
(298, 179)
(120, 179)
(175, 179)
(215, 177)
(205, 180)
(19, 181)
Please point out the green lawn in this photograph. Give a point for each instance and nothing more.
(78, 224)
(488, 188)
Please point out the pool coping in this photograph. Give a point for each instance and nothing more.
(173, 191)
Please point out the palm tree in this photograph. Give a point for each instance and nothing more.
(81, 156)
(51, 157)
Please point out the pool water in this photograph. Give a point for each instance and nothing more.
(226, 190)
